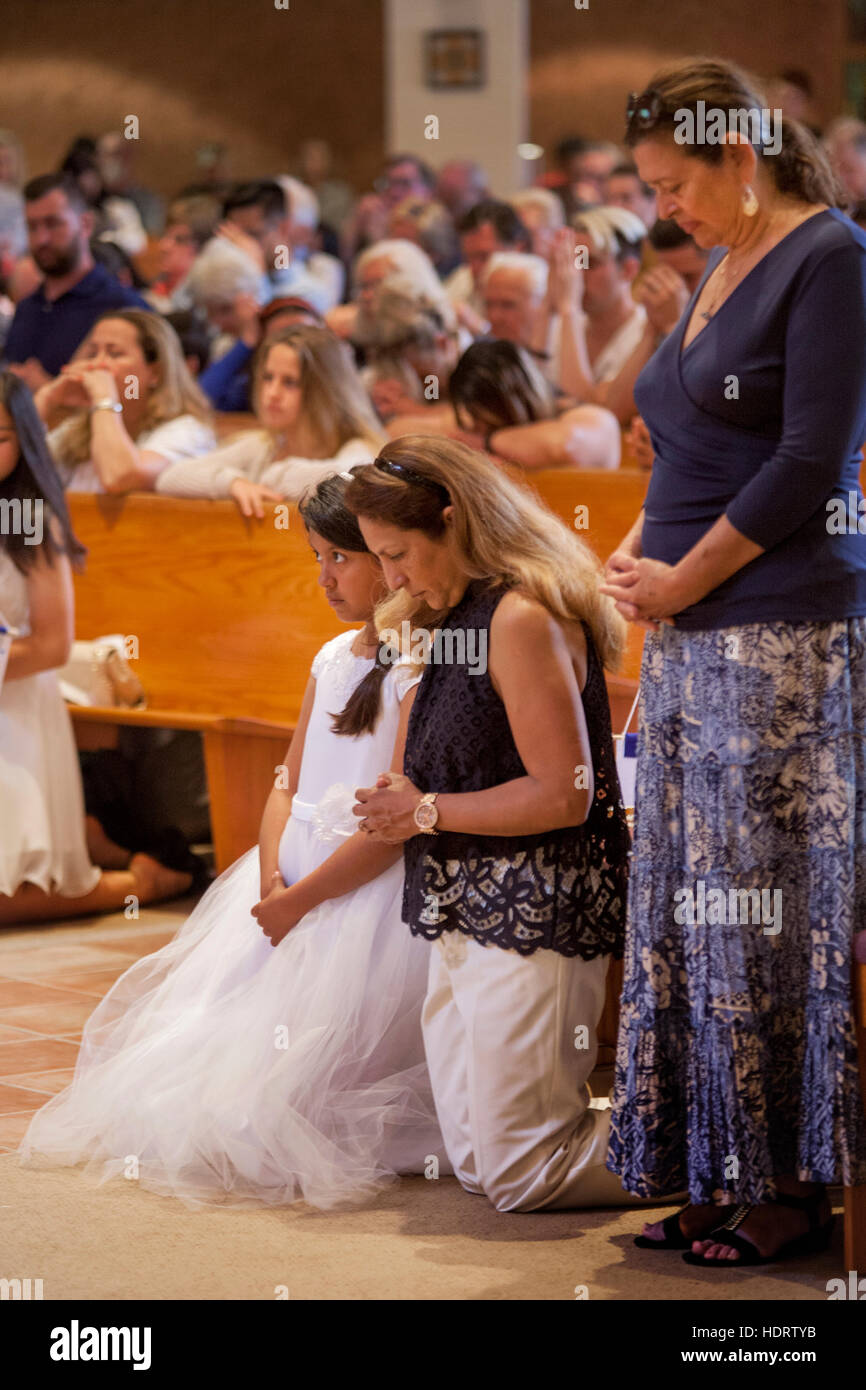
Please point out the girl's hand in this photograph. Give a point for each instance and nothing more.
(644, 589)
(271, 881)
(277, 913)
(387, 811)
(251, 497)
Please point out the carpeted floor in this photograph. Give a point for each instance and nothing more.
(422, 1240)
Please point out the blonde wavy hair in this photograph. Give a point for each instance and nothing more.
(502, 531)
(333, 398)
(176, 393)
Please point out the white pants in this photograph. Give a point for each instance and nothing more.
(506, 1041)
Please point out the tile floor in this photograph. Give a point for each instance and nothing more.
(50, 980)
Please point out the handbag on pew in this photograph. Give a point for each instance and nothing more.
(97, 673)
(626, 763)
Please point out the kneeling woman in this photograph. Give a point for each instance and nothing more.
(515, 836)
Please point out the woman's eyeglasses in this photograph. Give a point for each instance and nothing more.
(645, 109)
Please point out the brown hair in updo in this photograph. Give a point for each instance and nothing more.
(799, 170)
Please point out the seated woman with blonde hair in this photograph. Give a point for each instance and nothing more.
(135, 407)
(314, 420)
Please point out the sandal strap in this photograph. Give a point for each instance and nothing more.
(736, 1219)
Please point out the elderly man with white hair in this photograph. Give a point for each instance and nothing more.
(514, 284)
(227, 286)
(381, 262)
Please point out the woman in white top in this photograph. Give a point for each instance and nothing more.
(314, 420)
(136, 409)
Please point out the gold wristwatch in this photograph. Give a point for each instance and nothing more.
(427, 814)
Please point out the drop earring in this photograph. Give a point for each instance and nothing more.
(750, 202)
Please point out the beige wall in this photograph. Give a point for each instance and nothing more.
(238, 71)
(262, 79)
(584, 62)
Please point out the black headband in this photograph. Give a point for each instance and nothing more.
(408, 475)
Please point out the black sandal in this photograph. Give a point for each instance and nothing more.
(812, 1242)
(674, 1238)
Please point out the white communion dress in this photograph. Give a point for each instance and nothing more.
(42, 837)
(222, 1068)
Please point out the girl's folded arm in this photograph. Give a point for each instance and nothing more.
(360, 859)
(279, 803)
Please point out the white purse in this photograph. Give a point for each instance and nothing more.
(97, 674)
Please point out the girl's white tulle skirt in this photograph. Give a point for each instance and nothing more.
(222, 1068)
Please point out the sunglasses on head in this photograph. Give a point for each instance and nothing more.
(645, 109)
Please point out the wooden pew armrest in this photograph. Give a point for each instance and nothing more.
(179, 719)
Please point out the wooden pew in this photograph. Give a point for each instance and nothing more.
(227, 615)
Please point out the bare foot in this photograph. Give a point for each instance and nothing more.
(104, 853)
(768, 1227)
(694, 1221)
(155, 881)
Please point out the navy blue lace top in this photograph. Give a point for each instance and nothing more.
(562, 889)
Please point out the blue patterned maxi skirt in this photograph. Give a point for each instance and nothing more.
(737, 1054)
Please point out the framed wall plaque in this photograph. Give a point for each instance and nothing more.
(454, 59)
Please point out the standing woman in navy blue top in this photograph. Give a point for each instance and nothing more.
(737, 1061)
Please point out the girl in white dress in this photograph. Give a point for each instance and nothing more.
(272, 1051)
(46, 871)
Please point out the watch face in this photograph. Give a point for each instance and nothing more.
(426, 815)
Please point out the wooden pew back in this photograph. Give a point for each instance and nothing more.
(227, 612)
